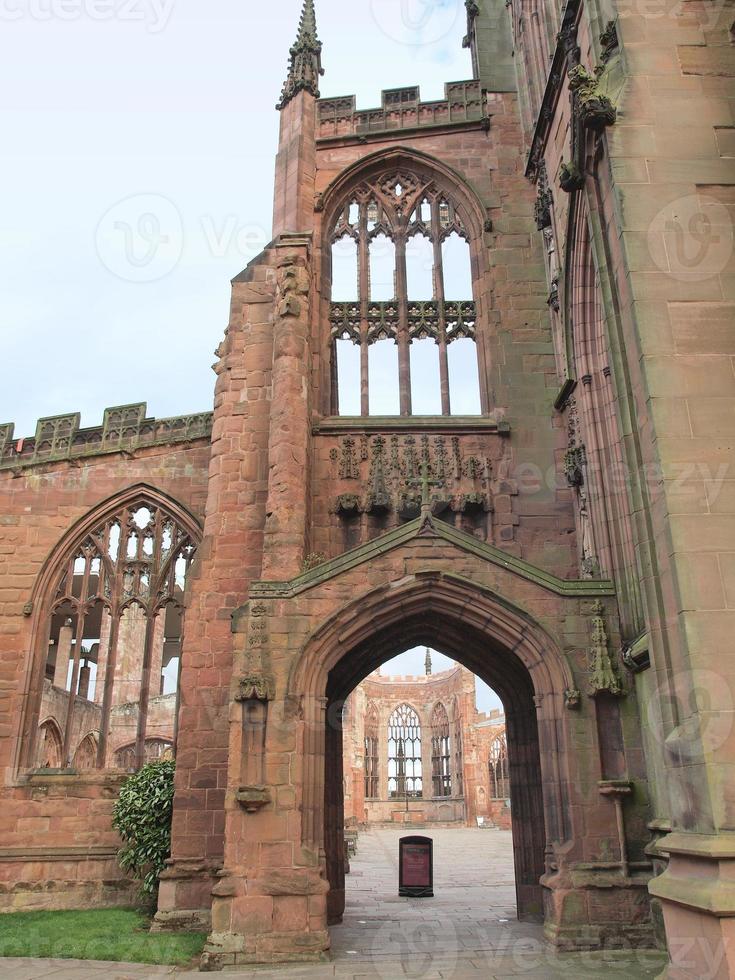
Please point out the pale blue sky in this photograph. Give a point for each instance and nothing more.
(169, 102)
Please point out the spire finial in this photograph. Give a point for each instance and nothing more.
(305, 65)
(427, 663)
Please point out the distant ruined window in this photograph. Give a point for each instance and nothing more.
(113, 619)
(499, 778)
(372, 755)
(404, 754)
(401, 301)
(441, 759)
(155, 749)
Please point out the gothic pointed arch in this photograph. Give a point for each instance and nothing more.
(403, 256)
(441, 754)
(108, 610)
(50, 746)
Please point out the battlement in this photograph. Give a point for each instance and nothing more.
(414, 678)
(124, 427)
(484, 719)
(401, 108)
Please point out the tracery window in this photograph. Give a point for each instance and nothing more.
(499, 778)
(372, 755)
(405, 778)
(440, 752)
(402, 311)
(114, 628)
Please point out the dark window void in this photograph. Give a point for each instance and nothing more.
(402, 298)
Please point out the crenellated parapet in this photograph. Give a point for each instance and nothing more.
(401, 108)
(124, 428)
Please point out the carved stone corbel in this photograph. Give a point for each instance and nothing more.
(603, 677)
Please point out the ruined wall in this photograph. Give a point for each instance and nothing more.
(55, 828)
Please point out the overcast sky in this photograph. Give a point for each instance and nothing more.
(130, 121)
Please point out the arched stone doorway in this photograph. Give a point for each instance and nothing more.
(503, 648)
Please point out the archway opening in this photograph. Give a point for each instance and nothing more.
(412, 759)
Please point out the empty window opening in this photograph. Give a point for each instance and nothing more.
(420, 268)
(464, 377)
(457, 267)
(382, 269)
(384, 385)
(345, 270)
(425, 378)
(348, 367)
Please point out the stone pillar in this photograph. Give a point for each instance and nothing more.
(103, 650)
(288, 490)
(63, 654)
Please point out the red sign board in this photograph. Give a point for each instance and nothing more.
(416, 867)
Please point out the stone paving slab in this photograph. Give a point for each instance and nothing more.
(468, 931)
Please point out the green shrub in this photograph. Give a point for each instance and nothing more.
(142, 817)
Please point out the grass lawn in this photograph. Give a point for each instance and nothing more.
(120, 935)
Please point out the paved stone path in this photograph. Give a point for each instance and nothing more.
(468, 931)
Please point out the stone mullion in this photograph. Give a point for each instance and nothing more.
(440, 298)
(81, 617)
(156, 581)
(364, 294)
(404, 346)
(144, 690)
(109, 683)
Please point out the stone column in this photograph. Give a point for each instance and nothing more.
(63, 654)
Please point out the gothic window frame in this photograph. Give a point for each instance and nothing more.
(404, 753)
(441, 754)
(372, 753)
(371, 184)
(54, 591)
(499, 770)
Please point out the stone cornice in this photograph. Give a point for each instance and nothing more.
(431, 527)
(454, 425)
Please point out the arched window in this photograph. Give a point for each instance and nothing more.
(114, 624)
(414, 296)
(50, 746)
(85, 756)
(499, 779)
(372, 754)
(404, 754)
(441, 760)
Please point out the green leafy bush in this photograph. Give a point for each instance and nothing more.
(142, 817)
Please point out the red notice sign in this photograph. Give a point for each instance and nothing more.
(416, 867)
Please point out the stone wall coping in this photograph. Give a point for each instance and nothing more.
(125, 428)
(429, 526)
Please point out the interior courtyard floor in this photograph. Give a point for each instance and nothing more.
(468, 931)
